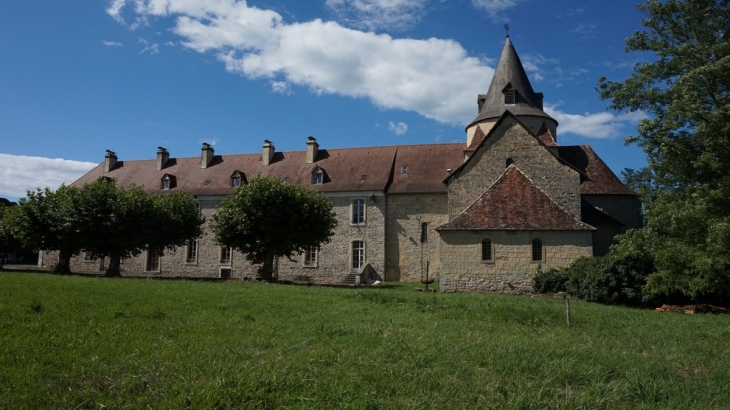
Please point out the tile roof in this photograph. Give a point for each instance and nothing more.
(600, 179)
(546, 137)
(346, 169)
(515, 203)
(476, 140)
(592, 215)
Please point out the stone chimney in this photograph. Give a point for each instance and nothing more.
(268, 153)
(110, 160)
(206, 155)
(312, 149)
(162, 156)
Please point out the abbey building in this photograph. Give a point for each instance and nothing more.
(479, 216)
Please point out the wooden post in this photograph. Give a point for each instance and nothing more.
(567, 309)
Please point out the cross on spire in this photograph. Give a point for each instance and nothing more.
(506, 28)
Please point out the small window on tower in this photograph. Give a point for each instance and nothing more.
(404, 170)
(509, 96)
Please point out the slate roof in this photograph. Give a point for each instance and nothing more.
(515, 203)
(546, 137)
(592, 215)
(600, 179)
(509, 71)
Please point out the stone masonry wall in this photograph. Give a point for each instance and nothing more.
(511, 140)
(333, 259)
(512, 268)
(405, 213)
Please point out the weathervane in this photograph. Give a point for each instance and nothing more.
(506, 28)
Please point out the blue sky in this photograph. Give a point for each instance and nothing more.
(84, 76)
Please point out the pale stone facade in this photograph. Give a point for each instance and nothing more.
(428, 208)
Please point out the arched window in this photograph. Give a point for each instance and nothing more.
(236, 179)
(317, 176)
(509, 162)
(537, 249)
(486, 250)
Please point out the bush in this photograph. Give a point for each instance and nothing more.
(615, 279)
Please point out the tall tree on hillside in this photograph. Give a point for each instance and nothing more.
(48, 220)
(117, 222)
(267, 218)
(685, 90)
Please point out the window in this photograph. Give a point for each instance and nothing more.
(317, 176)
(192, 252)
(225, 254)
(153, 261)
(236, 180)
(509, 162)
(404, 170)
(486, 250)
(358, 211)
(166, 182)
(358, 254)
(87, 256)
(537, 250)
(424, 232)
(310, 256)
(509, 96)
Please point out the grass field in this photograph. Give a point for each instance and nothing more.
(74, 342)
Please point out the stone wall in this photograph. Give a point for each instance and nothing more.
(404, 250)
(512, 268)
(333, 259)
(558, 181)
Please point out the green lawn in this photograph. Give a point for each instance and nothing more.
(75, 342)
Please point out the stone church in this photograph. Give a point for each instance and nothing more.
(479, 216)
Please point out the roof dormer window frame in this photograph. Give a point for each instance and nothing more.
(317, 176)
(236, 179)
(510, 95)
(166, 182)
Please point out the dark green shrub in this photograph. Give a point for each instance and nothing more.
(550, 281)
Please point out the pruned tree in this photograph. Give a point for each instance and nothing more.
(267, 218)
(48, 220)
(685, 90)
(117, 222)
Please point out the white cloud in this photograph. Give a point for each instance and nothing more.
(153, 48)
(399, 128)
(378, 14)
(585, 30)
(112, 43)
(433, 77)
(495, 7)
(597, 125)
(115, 9)
(211, 141)
(19, 173)
(281, 87)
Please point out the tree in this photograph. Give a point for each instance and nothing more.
(8, 241)
(48, 220)
(117, 222)
(686, 92)
(267, 218)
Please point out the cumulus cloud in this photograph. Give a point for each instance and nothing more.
(378, 14)
(597, 125)
(495, 7)
(433, 77)
(398, 128)
(19, 173)
(112, 43)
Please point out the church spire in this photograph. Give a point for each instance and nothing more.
(510, 90)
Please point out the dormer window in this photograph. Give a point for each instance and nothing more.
(404, 170)
(317, 176)
(166, 182)
(236, 179)
(509, 97)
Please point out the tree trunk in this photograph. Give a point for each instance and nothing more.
(266, 271)
(113, 269)
(63, 267)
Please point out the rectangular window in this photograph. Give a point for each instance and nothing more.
(225, 255)
(166, 183)
(310, 256)
(235, 181)
(486, 250)
(424, 232)
(192, 252)
(87, 256)
(317, 178)
(358, 211)
(358, 254)
(153, 261)
(537, 253)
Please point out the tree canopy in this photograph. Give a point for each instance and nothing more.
(105, 220)
(685, 90)
(267, 218)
